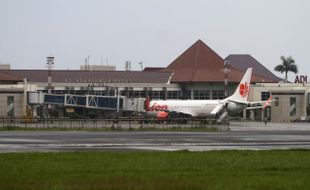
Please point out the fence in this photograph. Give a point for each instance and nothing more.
(119, 123)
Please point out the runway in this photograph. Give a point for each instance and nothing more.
(51, 141)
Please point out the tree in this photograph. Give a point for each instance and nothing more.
(288, 64)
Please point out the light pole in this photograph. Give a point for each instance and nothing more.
(141, 65)
(226, 71)
(49, 64)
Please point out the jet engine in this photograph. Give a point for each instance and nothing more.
(234, 108)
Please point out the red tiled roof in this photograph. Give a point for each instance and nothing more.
(78, 76)
(199, 63)
(154, 69)
(243, 61)
(8, 77)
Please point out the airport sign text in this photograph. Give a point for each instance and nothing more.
(301, 79)
(97, 80)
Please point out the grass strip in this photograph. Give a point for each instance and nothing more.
(276, 169)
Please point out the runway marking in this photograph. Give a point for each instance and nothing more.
(21, 140)
(157, 141)
(152, 146)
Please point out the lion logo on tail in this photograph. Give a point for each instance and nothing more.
(244, 89)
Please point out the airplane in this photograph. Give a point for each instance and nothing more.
(219, 109)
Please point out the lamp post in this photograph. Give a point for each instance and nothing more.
(49, 64)
(226, 71)
(141, 65)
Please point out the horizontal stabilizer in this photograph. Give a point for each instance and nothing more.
(254, 107)
(260, 104)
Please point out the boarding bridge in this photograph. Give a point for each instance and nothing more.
(87, 101)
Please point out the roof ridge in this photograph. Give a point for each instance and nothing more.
(196, 59)
(242, 61)
(196, 63)
(262, 66)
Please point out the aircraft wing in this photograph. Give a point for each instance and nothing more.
(189, 113)
(183, 112)
(217, 109)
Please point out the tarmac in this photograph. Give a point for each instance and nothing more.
(261, 126)
(241, 136)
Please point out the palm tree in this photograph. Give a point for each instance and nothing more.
(288, 64)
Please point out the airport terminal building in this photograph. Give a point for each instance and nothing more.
(198, 73)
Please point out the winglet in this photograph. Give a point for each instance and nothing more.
(267, 103)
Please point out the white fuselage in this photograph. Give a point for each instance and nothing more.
(195, 108)
(205, 108)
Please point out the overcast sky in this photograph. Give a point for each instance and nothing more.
(153, 31)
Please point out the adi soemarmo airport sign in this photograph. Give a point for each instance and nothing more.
(301, 79)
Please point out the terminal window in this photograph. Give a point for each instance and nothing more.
(10, 106)
(265, 95)
(292, 106)
(201, 94)
(173, 94)
(218, 94)
(157, 95)
(139, 94)
(276, 103)
(187, 94)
